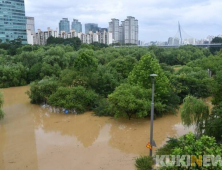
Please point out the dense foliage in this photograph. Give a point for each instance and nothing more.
(128, 100)
(75, 42)
(194, 112)
(144, 163)
(78, 98)
(191, 145)
(213, 50)
(119, 77)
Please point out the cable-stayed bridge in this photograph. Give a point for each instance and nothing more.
(182, 38)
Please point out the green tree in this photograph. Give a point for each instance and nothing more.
(50, 70)
(34, 72)
(217, 90)
(194, 81)
(140, 75)
(78, 98)
(213, 50)
(105, 80)
(213, 126)
(85, 62)
(41, 90)
(13, 75)
(103, 107)
(128, 100)
(123, 65)
(190, 145)
(194, 112)
(75, 42)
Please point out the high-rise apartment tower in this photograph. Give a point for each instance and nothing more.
(64, 25)
(12, 20)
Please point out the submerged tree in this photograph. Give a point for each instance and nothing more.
(194, 112)
(128, 100)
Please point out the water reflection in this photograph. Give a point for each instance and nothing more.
(34, 138)
(132, 136)
(85, 127)
(2, 145)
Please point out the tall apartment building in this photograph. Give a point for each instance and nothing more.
(170, 41)
(114, 29)
(101, 37)
(76, 25)
(42, 36)
(125, 33)
(91, 27)
(30, 30)
(12, 20)
(64, 25)
(30, 24)
(130, 31)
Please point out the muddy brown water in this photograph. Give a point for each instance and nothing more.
(35, 138)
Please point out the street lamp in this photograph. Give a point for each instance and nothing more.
(152, 143)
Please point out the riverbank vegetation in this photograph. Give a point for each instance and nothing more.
(116, 82)
(116, 77)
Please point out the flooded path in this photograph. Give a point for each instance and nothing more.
(34, 138)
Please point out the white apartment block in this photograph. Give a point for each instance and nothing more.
(101, 37)
(30, 30)
(114, 29)
(42, 36)
(127, 32)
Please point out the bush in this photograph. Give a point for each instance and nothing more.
(40, 91)
(144, 163)
(190, 144)
(168, 147)
(103, 107)
(78, 98)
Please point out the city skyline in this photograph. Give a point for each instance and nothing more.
(157, 19)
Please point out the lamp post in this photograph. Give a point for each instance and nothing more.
(152, 113)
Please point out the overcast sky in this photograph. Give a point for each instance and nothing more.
(158, 19)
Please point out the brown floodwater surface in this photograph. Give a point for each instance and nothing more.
(35, 138)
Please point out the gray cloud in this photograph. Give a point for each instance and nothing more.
(158, 19)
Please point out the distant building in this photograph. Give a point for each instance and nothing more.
(114, 29)
(42, 36)
(30, 30)
(101, 37)
(127, 32)
(30, 24)
(64, 25)
(76, 25)
(141, 43)
(103, 29)
(12, 20)
(91, 27)
(130, 30)
(170, 41)
(30, 37)
(190, 41)
(176, 41)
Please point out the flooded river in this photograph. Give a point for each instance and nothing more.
(34, 138)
